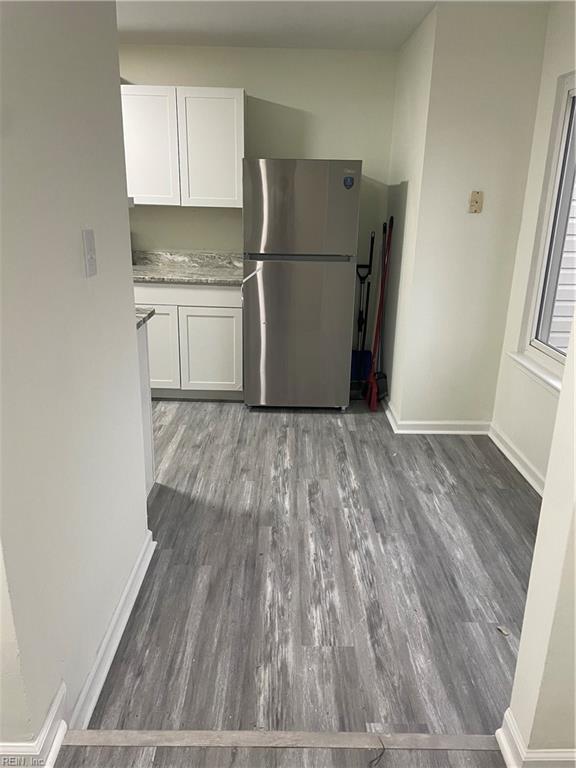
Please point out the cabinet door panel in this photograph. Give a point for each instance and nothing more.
(211, 141)
(211, 348)
(150, 124)
(164, 348)
(146, 401)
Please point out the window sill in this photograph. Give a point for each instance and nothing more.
(537, 372)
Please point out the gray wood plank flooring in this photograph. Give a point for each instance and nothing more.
(197, 757)
(315, 572)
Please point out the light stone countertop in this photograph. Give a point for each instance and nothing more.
(188, 267)
(143, 314)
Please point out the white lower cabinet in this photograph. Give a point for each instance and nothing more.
(164, 348)
(146, 400)
(210, 348)
(195, 337)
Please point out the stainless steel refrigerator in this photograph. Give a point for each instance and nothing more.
(300, 222)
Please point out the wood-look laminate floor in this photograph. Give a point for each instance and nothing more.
(315, 572)
(191, 757)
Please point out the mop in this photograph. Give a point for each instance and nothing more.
(372, 395)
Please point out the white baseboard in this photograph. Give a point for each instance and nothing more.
(435, 427)
(43, 750)
(88, 697)
(517, 755)
(516, 457)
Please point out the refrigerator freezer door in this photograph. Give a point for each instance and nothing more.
(298, 332)
(301, 207)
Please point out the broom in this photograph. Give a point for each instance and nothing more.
(372, 390)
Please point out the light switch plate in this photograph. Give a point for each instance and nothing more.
(89, 242)
(476, 202)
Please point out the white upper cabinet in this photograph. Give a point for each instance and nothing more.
(150, 122)
(211, 142)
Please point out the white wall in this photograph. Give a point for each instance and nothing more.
(15, 723)
(454, 297)
(543, 701)
(411, 103)
(73, 499)
(300, 103)
(525, 405)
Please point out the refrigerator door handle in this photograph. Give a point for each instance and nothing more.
(309, 257)
(245, 280)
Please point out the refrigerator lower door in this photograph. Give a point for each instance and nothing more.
(297, 321)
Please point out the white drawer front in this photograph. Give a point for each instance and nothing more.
(181, 295)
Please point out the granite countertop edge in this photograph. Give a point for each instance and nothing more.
(222, 268)
(143, 314)
(188, 280)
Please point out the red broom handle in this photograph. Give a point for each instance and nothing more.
(383, 283)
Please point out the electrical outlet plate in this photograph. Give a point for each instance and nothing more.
(476, 202)
(89, 243)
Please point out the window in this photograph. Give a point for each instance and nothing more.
(557, 288)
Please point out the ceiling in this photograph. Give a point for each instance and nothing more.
(352, 24)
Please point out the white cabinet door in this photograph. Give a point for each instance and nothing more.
(146, 400)
(211, 348)
(150, 123)
(211, 142)
(164, 348)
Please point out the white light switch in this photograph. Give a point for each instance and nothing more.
(89, 243)
(476, 202)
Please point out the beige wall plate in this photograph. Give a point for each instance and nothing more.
(476, 202)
